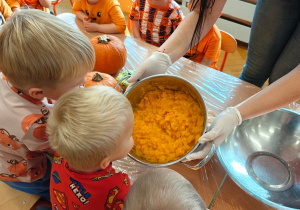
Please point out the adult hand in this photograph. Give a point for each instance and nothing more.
(218, 131)
(157, 63)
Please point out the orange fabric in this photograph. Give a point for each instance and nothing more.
(104, 12)
(209, 47)
(32, 4)
(156, 23)
(5, 12)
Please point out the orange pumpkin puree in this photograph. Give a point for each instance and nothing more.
(167, 125)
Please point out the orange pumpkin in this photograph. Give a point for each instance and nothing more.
(110, 54)
(97, 78)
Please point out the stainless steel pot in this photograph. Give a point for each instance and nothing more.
(172, 82)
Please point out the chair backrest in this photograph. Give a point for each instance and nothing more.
(228, 44)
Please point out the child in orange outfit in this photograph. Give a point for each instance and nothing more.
(207, 51)
(155, 20)
(103, 16)
(16, 5)
(89, 128)
(33, 45)
(5, 12)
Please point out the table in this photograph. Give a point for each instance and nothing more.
(219, 91)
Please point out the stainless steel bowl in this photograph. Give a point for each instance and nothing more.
(262, 156)
(172, 82)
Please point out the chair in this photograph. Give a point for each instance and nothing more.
(56, 2)
(228, 44)
(126, 7)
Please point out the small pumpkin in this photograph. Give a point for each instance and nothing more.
(97, 78)
(124, 84)
(110, 54)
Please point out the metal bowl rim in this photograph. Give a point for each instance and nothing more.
(268, 202)
(196, 145)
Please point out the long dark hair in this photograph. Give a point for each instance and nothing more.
(205, 6)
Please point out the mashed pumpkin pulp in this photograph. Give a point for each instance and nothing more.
(167, 125)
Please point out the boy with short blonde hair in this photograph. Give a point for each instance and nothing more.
(41, 58)
(161, 189)
(89, 128)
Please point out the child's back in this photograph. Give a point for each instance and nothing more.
(207, 51)
(89, 128)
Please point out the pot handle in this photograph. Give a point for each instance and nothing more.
(126, 77)
(204, 160)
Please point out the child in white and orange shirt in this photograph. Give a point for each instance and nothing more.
(155, 20)
(103, 16)
(35, 69)
(5, 12)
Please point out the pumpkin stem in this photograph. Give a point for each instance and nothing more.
(103, 39)
(97, 77)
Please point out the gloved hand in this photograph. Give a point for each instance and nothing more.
(218, 131)
(157, 63)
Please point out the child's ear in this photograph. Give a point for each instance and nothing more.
(105, 162)
(36, 93)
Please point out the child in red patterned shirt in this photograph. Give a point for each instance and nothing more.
(89, 128)
(155, 20)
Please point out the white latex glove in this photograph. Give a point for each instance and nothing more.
(218, 131)
(157, 63)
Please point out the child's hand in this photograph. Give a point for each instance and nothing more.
(90, 27)
(86, 19)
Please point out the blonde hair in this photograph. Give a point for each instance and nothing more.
(86, 125)
(39, 49)
(160, 189)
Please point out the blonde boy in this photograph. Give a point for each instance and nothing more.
(41, 58)
(161, 189)
(89, 128)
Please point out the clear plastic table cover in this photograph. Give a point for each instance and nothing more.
(219, 90)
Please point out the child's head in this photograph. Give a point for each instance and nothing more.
(39, 51)
(162, 189)
(90, 127)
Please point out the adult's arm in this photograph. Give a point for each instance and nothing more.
(178, 43)
(280, 93)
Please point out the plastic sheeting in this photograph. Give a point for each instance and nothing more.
(219, 91)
